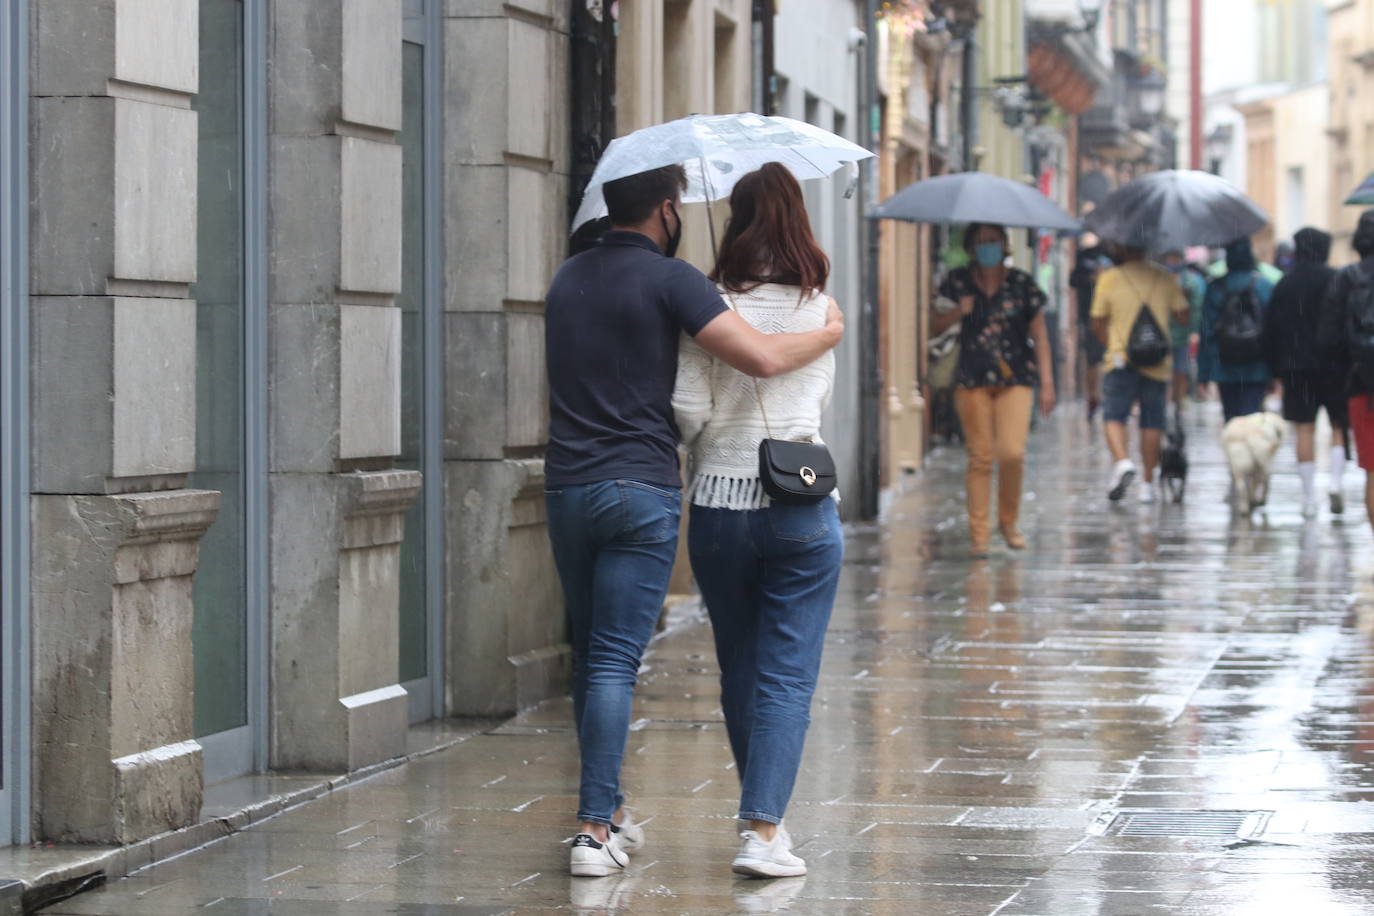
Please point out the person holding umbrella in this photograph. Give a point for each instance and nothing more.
(1004, 352)
(613, 317)
(1134, 303)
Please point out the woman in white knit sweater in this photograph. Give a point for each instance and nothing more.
(768, 571)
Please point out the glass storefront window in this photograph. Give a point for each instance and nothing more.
(414, 616)
(220, 627)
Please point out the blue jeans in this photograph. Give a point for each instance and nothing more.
(614, 543)
(1240, 399)
(769, 578)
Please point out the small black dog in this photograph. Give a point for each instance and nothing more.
(1173, 461)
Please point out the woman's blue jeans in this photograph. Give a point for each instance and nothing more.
(614, 543)
(769, 578)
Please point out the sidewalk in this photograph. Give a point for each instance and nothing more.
(979, 730)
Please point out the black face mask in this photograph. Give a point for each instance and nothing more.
(674, 237)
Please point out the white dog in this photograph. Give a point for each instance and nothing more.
(1250, 444)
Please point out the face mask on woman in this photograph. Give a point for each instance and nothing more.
(989, 254)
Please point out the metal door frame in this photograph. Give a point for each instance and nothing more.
(14, 435)
(423, 25)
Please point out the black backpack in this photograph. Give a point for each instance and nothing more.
(1148, 345)
(1240, 327)
(1359, 324)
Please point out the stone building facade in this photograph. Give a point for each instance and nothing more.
(271, 362)
(275, 406)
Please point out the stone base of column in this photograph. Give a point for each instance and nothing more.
(113, 680)
(507, 631)
(336, 591)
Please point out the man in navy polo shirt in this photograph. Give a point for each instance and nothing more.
(613, 317)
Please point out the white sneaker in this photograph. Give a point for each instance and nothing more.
(590, 858)
(1309, 508)
(1122, 475)
(760, 859)
(1147, 493)
(630, 834)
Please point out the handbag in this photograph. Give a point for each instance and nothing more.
(791, 471)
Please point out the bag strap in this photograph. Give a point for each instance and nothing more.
(1144, 303)
(759, 397)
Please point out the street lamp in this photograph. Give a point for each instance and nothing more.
(1150, 90)
(1218, 145)
(1091, 11)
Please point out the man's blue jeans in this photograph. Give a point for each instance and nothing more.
(769, 578)
(614, 543)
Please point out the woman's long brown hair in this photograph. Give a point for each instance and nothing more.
(768, 238)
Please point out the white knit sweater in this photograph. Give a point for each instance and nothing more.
(718, 414)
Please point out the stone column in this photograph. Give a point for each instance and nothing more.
(115, 532)
(335, 386)
(506, 231)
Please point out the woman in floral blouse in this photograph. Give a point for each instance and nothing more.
(1002, 331)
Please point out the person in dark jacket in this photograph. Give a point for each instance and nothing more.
(1242, 385)
(1348, 288)
(1310, 381)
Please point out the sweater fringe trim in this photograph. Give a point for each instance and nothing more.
(719, 491)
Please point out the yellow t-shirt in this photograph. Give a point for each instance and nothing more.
(1119, 294)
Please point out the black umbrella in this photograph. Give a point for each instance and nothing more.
(1176, 209)
(975, 197)
(1364, 194)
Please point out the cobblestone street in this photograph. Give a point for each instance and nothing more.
(979, 729)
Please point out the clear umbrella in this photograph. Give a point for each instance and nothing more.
(717, 150)
(1175, 209)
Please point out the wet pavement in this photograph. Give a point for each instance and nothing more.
(989, 737)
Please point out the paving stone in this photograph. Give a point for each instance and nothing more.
(975, 725)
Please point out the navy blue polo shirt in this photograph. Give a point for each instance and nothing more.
(612, 322)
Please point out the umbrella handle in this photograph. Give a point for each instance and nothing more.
(710, 219)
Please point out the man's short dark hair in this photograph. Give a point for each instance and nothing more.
(632, 199)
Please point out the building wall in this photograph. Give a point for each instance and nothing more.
(1001, 53)
(813, 45)
(681, 57)
(505, 232)
(120, 369)
(1351, 63)
(1180, 77)
(905, 279)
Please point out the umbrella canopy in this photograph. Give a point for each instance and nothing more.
(975, 197)
(1364, 194)
(718, 150)
(1176, 209)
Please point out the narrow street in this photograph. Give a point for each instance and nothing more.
(978, 728)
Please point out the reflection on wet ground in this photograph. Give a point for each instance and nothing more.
(978, 727)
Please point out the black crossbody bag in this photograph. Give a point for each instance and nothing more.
(791, 471)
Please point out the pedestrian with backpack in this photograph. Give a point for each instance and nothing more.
(1231, 345)
(1346, 337)
(1132, 307)
(1310, 381)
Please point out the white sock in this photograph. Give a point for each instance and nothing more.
(1307, 470)
(1337, 467)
